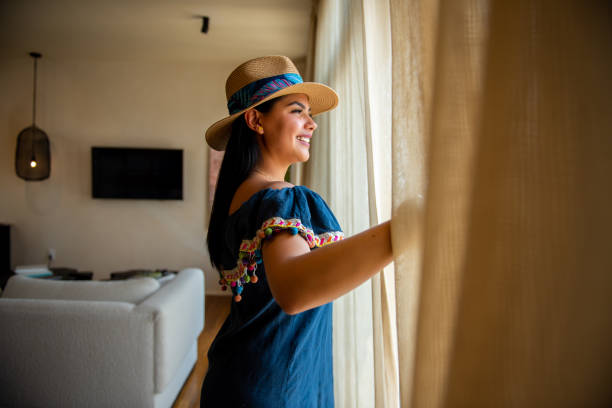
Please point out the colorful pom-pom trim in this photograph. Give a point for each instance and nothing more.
(250, 251)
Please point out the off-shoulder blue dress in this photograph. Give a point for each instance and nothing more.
(263, 357)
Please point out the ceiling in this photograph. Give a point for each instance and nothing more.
(155, 30)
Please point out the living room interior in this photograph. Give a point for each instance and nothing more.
(123, 74)
(482, 125)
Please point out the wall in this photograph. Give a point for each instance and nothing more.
(104, 103)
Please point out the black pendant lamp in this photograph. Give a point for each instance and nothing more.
(33, 157)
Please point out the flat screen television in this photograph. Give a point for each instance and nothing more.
(137, 173)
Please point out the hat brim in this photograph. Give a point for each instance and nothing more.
(321, 97)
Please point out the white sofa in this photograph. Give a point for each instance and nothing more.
(126, 343)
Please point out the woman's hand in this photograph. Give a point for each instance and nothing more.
(406, 225)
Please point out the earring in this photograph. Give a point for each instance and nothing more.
(259, 129)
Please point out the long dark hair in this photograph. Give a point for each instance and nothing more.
(241, 155)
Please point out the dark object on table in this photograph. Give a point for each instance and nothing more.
(141, 273)
(69, 274)
(5, 254)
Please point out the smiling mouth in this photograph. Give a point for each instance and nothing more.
(303, 139)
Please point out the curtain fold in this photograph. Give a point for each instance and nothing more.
(297, 172)
(410, 103)
(501, 121)
(350, 167)
(377, 88)
(337, 169)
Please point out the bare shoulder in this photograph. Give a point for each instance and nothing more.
(277, 185)
(252, 186)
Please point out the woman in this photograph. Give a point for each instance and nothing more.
(274, 349)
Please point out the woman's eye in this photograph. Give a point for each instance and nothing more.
(296, 111)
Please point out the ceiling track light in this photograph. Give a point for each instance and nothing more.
(205, 20)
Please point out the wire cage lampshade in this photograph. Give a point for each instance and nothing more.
(33, 155)
(33, 158)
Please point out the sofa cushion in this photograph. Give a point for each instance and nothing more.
(130, 291)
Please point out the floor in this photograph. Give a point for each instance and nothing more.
(216, 310)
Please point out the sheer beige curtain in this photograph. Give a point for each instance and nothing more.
(350, 168)
(502, 152)
(502, 122)
(378, 126)
(337, 170)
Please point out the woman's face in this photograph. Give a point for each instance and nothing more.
(288, 128)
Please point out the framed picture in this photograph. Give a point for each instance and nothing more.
(214, 165)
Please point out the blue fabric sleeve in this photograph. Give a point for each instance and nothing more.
(297, 210)
(297, 203)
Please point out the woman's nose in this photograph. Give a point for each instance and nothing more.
(311, 124)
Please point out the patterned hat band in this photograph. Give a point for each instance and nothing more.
(258, 90)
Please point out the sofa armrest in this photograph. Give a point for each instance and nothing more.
(69, 353)
(178, 310)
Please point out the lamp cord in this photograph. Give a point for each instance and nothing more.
(34, 55)
(34, 97)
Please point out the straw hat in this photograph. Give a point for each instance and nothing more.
(259, 80)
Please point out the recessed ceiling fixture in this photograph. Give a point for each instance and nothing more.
(33, 158)
(205, 21)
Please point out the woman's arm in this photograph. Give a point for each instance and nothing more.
(301, 279)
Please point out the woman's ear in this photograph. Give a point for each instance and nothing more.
(252, 118)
